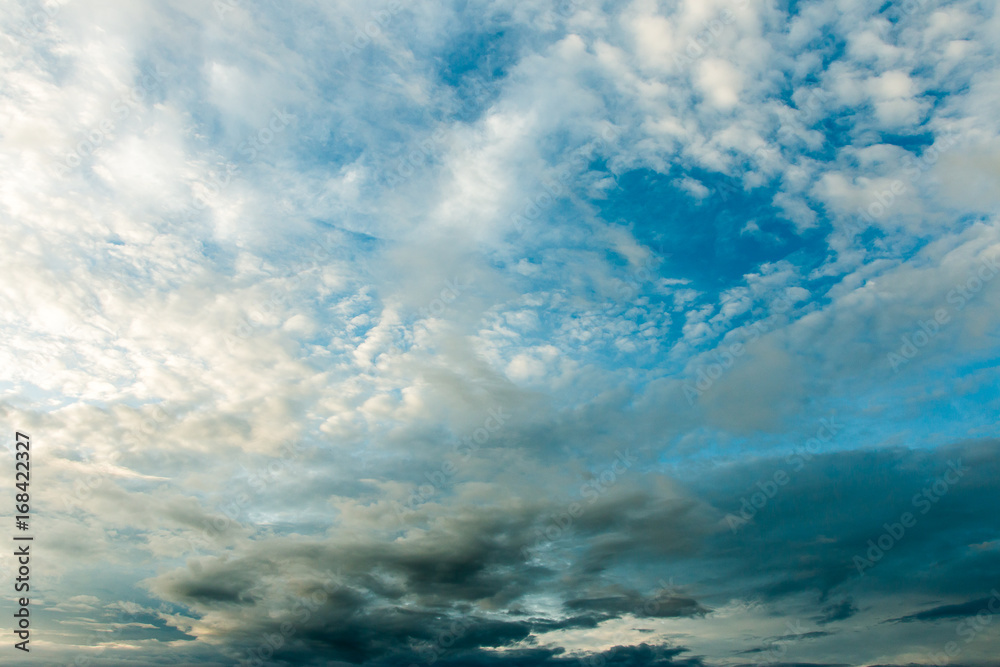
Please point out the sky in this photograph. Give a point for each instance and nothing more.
(549, 333)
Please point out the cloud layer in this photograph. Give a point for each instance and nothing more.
(658, 333)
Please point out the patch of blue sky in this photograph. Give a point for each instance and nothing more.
(484, 54)
(832, 47)
(960, 399)
(321, 243)
(713, 447)
(842, 129)
(932, 395)
(340, 147)
(222, 256)
(792, 6)
(917, 413)
(708, 241)
(25, 395)
(475, 68)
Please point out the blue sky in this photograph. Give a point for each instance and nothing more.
(496, 333)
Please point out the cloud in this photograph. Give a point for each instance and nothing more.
(663, 606)
(273, 271)
(960, 610)
(838, 611)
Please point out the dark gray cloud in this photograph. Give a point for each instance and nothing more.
(804, 635)
(838, 611)
(661, 606)
(455, 585)
(804, 537)
(960, 610)
(642, 655)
